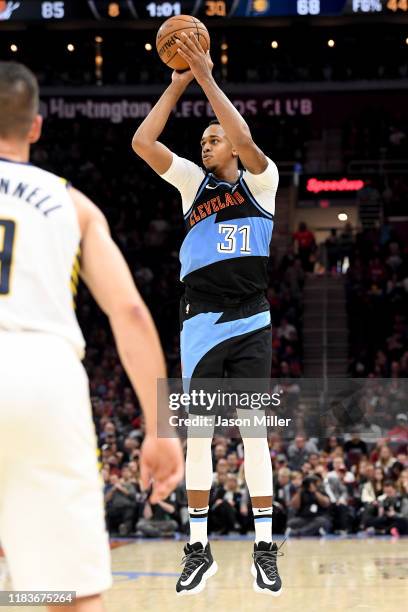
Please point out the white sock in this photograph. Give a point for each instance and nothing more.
(198, 525)
(263, 524)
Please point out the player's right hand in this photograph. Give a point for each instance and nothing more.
(162, 462)
(182, 78)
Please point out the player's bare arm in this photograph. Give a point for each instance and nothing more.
(108, 277)
(235, 127)
(145, 140)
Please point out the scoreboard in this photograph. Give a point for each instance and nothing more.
(38, 10)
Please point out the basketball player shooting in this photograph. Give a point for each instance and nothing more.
(225, 317)
(52, 525)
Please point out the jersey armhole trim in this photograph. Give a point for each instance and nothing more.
(254, 202)
(199, 192)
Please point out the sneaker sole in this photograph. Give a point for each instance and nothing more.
(213, 569)
(258, 589)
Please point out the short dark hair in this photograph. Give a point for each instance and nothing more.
(389, 483)
(19, 99)
(214, 122)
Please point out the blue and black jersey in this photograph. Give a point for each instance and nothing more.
(224, 316)
(225, 252)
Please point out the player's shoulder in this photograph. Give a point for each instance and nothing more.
(183, 165)
(81, 200)
(271, 168)
(268, 178)
(87, 211)
(48, 175)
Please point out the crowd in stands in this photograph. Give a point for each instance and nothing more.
(377, 134)
(346, 484)
(377, 304)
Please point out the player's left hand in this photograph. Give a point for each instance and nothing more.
(162, 462)
(191, 51)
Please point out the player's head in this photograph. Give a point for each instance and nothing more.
(19, 102)
(217, 151)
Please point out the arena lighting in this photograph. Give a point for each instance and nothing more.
(342, 216)
(98, 39)
(224, 59)
(331, 43)
(70, 47)
(406, 41)
(113, 9)
(274, 44)
(315, 185)
(224, 46)
(148, 47)
(13, 48)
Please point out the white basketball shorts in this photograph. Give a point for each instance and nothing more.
(52, 526)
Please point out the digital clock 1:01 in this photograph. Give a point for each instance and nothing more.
(163, 9)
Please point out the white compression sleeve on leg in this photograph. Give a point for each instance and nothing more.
(199, 472)
(257, 458)
(258, 467)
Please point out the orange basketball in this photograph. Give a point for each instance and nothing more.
(170, 31)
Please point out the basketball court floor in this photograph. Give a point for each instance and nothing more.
(318, 574)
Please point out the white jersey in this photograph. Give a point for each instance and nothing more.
(39, 253)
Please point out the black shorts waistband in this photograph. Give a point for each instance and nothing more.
(193, 297)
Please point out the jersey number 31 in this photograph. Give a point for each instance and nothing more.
(234, 237)
(7, 234)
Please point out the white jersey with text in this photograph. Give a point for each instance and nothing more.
(39, 253)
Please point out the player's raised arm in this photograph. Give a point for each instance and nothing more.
(108, 277)
(145, 140)
(234, 125)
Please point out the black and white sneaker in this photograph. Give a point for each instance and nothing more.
(264, 569)
(199, 565)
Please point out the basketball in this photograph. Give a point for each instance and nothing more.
(170, 31)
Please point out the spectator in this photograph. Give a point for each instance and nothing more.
(159, 520)
(283, 491)
(355, 448)
(399, 433)
(371, 490)
(385, 459)
(229, 506)
(220, 452)
(311, 505)
(337, 486)
(299, 450)
(306, 245)
(221, 470)
(389, 518)
(232, 463)
(120, 499)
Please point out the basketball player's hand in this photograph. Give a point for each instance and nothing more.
(162, 462)
(182, 78)
(191, 51)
